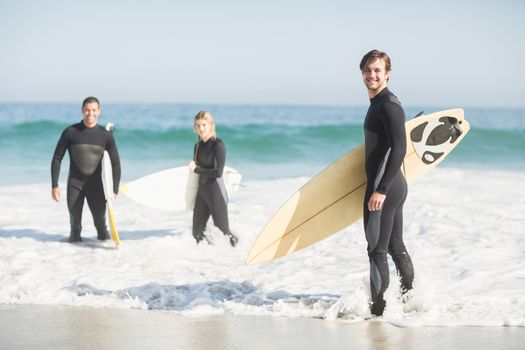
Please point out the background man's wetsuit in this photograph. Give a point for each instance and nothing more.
(385, 145)
(211, 199)
(86, 147)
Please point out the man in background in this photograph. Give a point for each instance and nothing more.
(86, 142)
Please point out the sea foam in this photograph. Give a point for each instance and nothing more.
(463, 229)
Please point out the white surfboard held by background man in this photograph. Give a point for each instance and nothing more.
(107, 183)
(174, 189)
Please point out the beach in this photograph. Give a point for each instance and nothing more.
(463, 233)
(59, 327)
(290, 95)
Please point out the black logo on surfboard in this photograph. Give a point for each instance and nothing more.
(432, 139)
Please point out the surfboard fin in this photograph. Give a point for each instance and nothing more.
(110, 127)
(113, 227)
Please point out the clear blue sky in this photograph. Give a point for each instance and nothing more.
(444, 53)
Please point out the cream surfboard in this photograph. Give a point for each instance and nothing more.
(333, 199)
(174, 189)
(107, 181)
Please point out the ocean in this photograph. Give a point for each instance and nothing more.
(262, 141)
(463, 221)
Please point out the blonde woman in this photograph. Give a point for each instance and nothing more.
(209, 156)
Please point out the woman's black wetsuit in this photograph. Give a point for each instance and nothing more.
(86, 147)
(212, 198)
(385, 145)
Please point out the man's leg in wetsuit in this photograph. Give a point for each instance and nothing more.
(97, 204)
(75, 204)
(379, 227)
(201, 214)
(399, 253)
(377, 256)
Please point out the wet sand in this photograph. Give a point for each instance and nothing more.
(66, 327)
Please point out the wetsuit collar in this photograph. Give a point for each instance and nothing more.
(85, 126)
(207, 141)
(382, 93)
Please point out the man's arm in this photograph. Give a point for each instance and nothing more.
(115, 162)
(56, 161)
(394, 124)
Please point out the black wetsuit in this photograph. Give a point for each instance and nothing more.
(385, 145)
(86, 147)
(212, 198)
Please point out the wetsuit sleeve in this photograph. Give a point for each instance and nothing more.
(195, 148)
(394, 124)
(60, 150)
(111, 147)
(220, 159)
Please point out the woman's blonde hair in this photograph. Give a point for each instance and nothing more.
(208, 117)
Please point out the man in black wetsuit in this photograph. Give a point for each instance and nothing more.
(86, 143)
(385, 148)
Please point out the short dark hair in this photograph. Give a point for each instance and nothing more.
(90, 99)
(374, 55)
